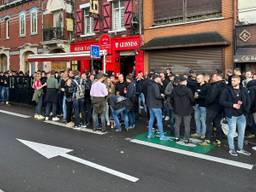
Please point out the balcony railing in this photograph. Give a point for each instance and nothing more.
(54, 33)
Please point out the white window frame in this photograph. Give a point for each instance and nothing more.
(7, 27)
(22, 16)
(32, 12)
(120, 25)
(83, 7)
(88, 18)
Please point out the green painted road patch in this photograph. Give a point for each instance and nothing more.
(197, 148)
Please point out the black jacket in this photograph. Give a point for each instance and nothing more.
(251, 86)
(153, 95)
(182, 100)
(202, 92)
(228, 98)
(213, 96)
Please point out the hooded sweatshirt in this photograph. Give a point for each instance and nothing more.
(182, 100)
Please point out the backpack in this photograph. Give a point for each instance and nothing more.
(80, 90)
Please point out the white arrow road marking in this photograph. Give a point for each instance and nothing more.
(49, 152)
(15, 114)
(197, 155)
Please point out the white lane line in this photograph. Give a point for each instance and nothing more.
(101, 168)
(197, 155)
(15, 114)
(84, 129)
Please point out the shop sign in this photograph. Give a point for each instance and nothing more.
(80, 47)
(105, 43)
(248, 58)
(127, 43)
(245, 35)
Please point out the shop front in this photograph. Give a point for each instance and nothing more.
(123, 54)
(203, 52)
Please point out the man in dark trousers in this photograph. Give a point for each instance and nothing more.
(236, 102)
(154, 102)
(214, 109)
(182, 100)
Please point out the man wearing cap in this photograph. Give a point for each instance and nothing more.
(98, 96)
(154, 102)
(182, 101)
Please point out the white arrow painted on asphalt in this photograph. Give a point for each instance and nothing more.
(49, 152)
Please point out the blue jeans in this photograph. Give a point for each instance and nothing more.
(200, 119)
(38, 107)
(132, 118)
(115, 115)
(78, 107)
(155, 113)
(1, 87)
(5, 94)
(50, 106)
(142, 103)
(64, 108)
(240, 123)
(171, 120)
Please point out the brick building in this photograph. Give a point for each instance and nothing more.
(115, 27)
(32, 27)
(245, 35)
(184, 35)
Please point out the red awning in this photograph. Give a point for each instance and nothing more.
(71, 56)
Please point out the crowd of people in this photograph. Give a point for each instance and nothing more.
(168, 100)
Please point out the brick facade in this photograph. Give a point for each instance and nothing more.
(224, 25)
(17, 48)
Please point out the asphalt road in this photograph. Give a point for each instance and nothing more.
(22, 169)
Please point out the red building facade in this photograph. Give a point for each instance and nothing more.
(114, 28)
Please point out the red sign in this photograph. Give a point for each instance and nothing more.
(105, 43)
(127, 43)
(82, 46)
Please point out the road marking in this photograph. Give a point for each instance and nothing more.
(49, 152)
(1, 190)
(101, 168)
(197, 155)
(15, 114)
(84, 129)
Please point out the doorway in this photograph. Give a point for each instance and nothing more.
(126, 64)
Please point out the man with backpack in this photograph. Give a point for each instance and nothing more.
(78, 101)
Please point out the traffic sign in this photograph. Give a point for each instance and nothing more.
(95, 51)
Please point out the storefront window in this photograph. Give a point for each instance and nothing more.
(88, 22)
(118, 15)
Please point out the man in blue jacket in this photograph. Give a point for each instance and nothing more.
(236, 102)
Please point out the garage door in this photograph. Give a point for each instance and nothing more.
(204, 60)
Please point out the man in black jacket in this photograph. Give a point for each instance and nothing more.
(214, 109)
(182, 100)
(236, 103)
(154, 102)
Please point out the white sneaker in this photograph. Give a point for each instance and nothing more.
(6, 102)
(46, 118)
(36, 116)
(40, 117)
(77, 128)
(167, 118)
(55, 119)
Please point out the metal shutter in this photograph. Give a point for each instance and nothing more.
(204, 60)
